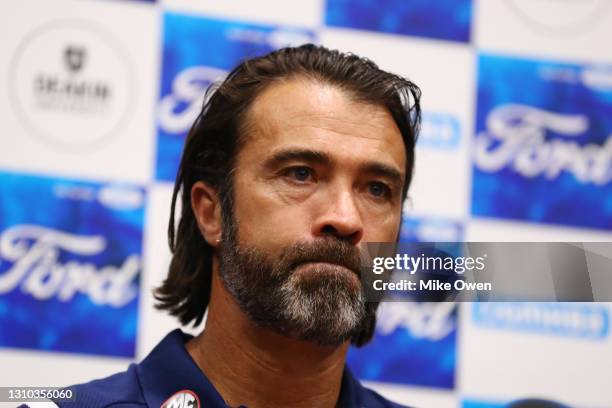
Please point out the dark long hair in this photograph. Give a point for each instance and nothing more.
(217, 134)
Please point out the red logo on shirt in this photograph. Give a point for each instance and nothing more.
(182, 399)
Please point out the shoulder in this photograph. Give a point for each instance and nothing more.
(375, 400)
(355, 394)
(121, 390)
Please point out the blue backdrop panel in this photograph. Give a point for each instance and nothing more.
(543, 142)
(414, 343)
(70, 259)
(441, 19)
(198, 51)
(430, 229)
(481, 404)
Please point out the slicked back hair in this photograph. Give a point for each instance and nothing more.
(218, 133)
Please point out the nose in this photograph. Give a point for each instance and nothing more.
(339, 217)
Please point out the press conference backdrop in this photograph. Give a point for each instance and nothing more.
(516, 146)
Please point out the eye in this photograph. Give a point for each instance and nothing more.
(379, 189)
(299, 173)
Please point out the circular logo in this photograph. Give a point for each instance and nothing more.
(182, 399)
(560, 16)
(72, 84)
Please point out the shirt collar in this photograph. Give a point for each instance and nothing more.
(169, 369)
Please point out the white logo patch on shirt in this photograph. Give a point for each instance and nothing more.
(182, 399)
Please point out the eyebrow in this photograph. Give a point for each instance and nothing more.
(318, 157)
(307, 155)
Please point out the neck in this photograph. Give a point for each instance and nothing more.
(253, 366)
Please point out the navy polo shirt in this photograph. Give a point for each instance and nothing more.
(169, 369)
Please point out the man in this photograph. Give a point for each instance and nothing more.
(297, 159)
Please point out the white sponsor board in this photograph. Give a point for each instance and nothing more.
(294, 13)
(560, 351)
(80, 88)
(559, 29)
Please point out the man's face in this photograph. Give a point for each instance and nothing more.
(318, 175)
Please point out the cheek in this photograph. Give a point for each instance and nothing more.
(385, 230)
(265, 221)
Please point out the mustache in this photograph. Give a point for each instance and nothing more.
(328, 250)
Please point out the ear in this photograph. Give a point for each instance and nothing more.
(207, 210)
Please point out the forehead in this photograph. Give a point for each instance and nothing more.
(311, 114)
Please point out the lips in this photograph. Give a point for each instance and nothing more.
(325, 267)
(328, 254)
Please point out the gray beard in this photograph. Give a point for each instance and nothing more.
(323, 305)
